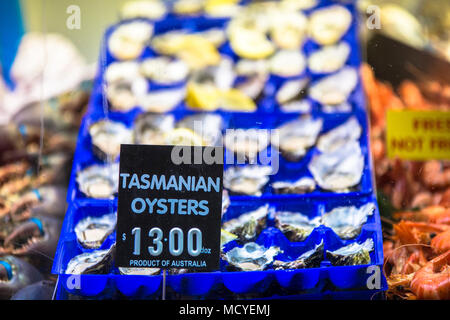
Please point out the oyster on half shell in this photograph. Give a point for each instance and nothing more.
(339, 136)
(128, 41)
(251, 257)
(339, 170)
(329, 59)
(248, 225)
(302, 185)
(99, 181)
(309, 259)
(95, 262)
(335, 89)
(149, 128)
(296, 136)
(249, 180)
(295, 226)
(353, 254)
(92, 231)
(247, 144)
(347, 222)
(207, 126)
(107, 136)
(327, 25)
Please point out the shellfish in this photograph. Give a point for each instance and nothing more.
(95, 262)
(247, 143)
(347, 222)
(338, 170)
(287, 63)
(353, 254)
(92, 231)
(247, 180)
(128, 41)
(302, 185)
(310, 259)
(99, 181)
(329, 59)
(251, 257)
(335, 89)
(327, 25)
(339, 136)
(139, 271)
(149, 128)
(248, 225)
(107, 136)
(164, 70)
(143, 9)
(161, 101)
(295, 226)
(207, 126)
(296, 136)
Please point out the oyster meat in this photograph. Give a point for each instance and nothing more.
(99, 181)
(207, 126)
(247, 144)
(295, 226)
(287, 63)
(164, 70)
(149, 128)
(128, 41)
(353, 254)
(329, 59)
(310, 259)
(107, 136)
(288, 28)
(291, 90)
(251, 257)
(139, 271)
(296, 136)
(303, 185)
(337, 137)
(248, 225)
(95, 262)
(327, 25)
(92, 231)
(338, 170)
(347, 222)
(249, 180)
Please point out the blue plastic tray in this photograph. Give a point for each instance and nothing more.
(325, 282)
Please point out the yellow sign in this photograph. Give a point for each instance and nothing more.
(418, 135)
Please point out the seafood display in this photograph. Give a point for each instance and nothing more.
(274, 83)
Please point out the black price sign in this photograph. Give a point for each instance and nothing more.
(169, 210)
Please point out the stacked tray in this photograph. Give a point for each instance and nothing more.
(323, 279)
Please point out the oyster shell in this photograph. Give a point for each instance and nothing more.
(288, 28)
(164, 70)
(329, 59)
(353, 254)
(124, 85)
(150, 128)
(248, 225)
(327, 25)
(347, 222)
(139, 271)
(291, 90)
(251, 257)
(247, 180)
(247, 143)
(92, 231)
(294, 225)
(338, 170)
(247, 67)
(128, 41)
(296, 136)
(143, 9)
(163, 100)
(95, 262)
(335, 89)
(253, 86)
(309, 259)
(337, 137)
(287, 63)
(107, 136)
(99, 181)
(303, 185)
(207, 126)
